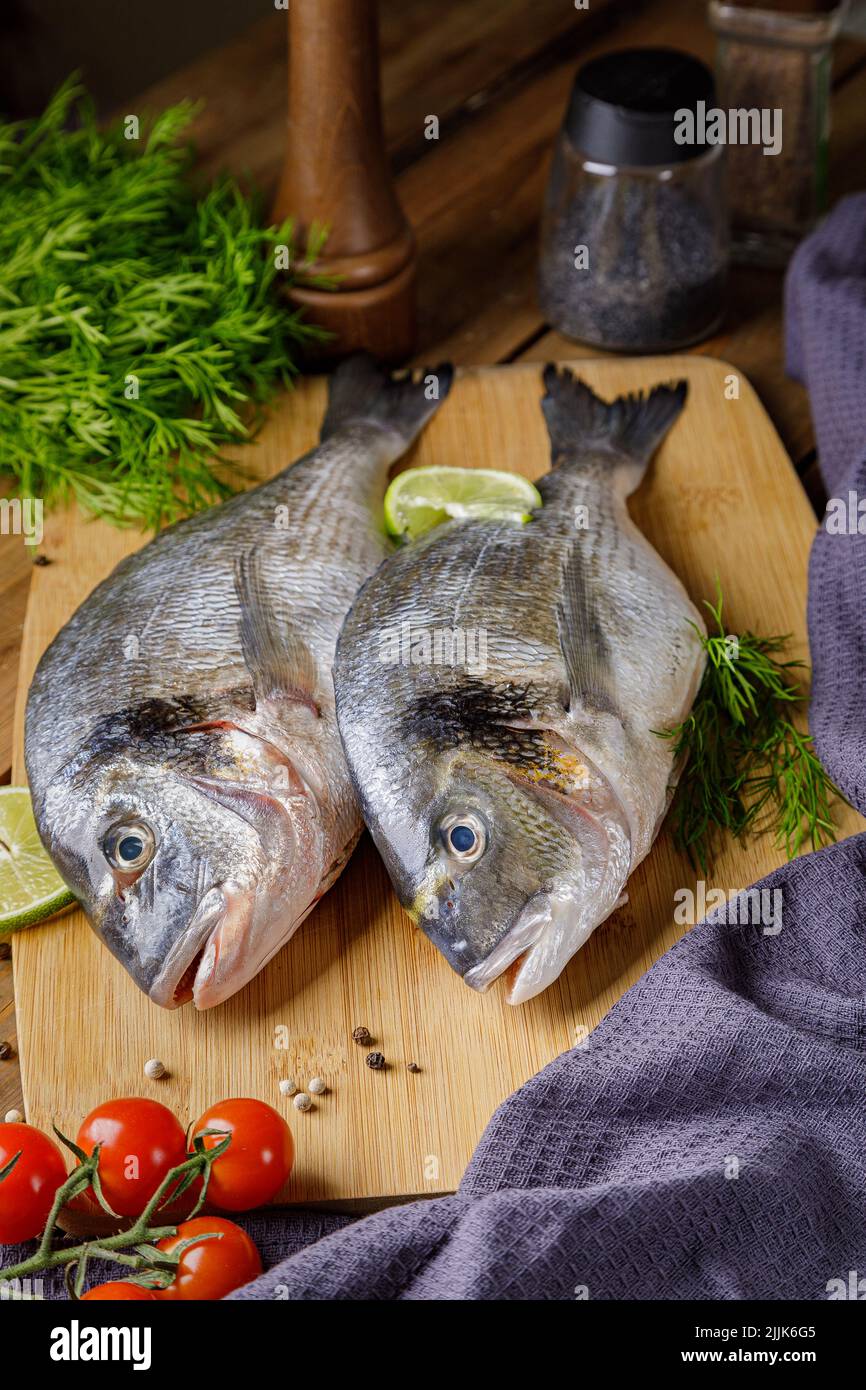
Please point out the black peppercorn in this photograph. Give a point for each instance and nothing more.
(5, 1051)
(376, 1061)
(413, 1066)
(361, 1036)
(42, 560)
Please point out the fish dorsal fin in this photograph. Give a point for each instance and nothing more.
(584, 648)
(278, 659)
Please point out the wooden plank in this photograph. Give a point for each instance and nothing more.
(15, 566)
(11, 1095)
(436, 58)
(720, 498)
(440, 57)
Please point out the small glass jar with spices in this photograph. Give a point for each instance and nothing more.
(773, 66)
(634, 241)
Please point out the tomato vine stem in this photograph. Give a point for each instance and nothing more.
(122, 1247)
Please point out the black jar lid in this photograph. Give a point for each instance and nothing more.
(623, 105)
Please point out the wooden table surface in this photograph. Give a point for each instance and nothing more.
(497, 74)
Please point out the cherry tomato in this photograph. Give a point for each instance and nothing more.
(119, 1292)
(141, 1140)
(27, 1194)
(212, 1268)
(258, 1160)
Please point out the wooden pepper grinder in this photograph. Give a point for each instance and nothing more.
(336, 173)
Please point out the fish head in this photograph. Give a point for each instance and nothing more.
(508, 847)
(194, 858)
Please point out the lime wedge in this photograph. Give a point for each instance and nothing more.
(30, 886)
(424, 497)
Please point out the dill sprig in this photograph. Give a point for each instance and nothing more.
(139, 323)
(746, 767)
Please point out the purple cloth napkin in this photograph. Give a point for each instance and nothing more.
(709, 1141)
(825, 313)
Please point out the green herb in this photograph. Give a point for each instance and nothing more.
(748, 768)
(138, 322)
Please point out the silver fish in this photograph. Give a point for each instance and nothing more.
(498, 687)
(181, 737)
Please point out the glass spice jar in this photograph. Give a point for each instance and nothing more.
(775, 56)
(634, 241)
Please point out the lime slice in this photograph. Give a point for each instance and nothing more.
(424, 497)
(30, 886)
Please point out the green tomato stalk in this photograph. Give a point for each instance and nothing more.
(135, 1247)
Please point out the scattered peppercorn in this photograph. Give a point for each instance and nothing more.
(5, 1051)
(154, 1069)
(316, 1086)
(14, 1117)
(413, 1066)
(376, 1061)
(288, 1086)
(42, 560)
(361, 1036)
(5, 950)
(302, 1102)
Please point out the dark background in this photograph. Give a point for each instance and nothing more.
(121, 48)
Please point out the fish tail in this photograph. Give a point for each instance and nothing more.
(362, 392)
(631, 426)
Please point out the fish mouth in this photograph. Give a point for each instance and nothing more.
(555, 922)
(549, 929)
(532, 921)
(227, 959)
(521, 937)
(174, 985)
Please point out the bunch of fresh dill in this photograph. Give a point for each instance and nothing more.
(747, 768)
(138, 322)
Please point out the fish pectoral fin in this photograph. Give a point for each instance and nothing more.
(278, 659)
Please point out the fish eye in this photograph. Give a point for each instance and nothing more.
(465, 837)
(131, 847)
(462, 838)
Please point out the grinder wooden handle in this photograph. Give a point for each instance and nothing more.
(336, 173)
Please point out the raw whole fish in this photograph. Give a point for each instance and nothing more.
(181, 738)
(498, 688)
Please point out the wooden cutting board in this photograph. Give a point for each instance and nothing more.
(721, 498)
